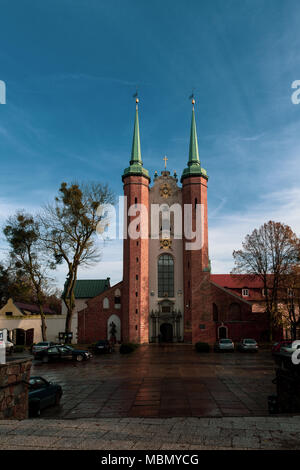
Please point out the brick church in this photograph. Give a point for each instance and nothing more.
(168, 293)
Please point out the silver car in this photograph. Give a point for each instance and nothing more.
(9, 347)
(224, 345)
(42, 345)
(248, 344)
(289, 349)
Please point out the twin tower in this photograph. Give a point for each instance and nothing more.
(165, 285)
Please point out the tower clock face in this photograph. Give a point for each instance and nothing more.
(165, 190)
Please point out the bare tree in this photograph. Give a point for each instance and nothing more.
(69, 228)
(290, 300)
(269, 252)
(22, 232)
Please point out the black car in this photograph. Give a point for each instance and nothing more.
(103, 346)
(61, 353)
(42, 394)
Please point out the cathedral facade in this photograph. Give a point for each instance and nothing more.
(168, 293)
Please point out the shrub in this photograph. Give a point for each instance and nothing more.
(202, 347)
(127, 348)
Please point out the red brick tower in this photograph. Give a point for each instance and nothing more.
(196, 267)
(135, 293)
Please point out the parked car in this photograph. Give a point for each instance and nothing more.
(277, 346)
(42, 345)
(42, 394)
(289, 349)
(61, 353)
(103, 346)
(247, 344)
(9, 346)
(224, 345)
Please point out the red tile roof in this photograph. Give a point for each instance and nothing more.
(33, 308)
(238, 281)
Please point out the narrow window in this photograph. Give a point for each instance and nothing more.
(165, 276)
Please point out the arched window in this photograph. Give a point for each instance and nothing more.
(117, 298)
(165, 276)
(105, 302)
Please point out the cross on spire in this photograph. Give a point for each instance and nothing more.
(165, 159)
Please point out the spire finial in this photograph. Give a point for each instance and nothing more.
(136, 96)
(192, 97)
(165, 160)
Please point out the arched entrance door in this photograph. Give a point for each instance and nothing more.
(114, 325)
(29, 337)
(166, 331)
(19, 337)
(222, 332)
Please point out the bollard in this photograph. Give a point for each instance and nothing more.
(2, 348)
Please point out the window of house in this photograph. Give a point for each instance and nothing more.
(105, 303)
(8, 314)
(165, 276)
(245, 292)
(117, 300)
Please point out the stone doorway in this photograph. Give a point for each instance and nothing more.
(166, 331)
(222, 332)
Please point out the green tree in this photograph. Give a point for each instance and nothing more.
(22, 232)
(269, 252)
(69, 232)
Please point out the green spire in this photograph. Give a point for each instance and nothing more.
(136, 164)
(194, 152)
(136, 157)
(194, 166)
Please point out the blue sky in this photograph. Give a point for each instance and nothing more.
(72, 66)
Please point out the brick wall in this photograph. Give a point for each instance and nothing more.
(13, 392)
(92, 321)
(196, 262)
(136, 266)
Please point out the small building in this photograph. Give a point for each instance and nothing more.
(86, 289)
(23, 323)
